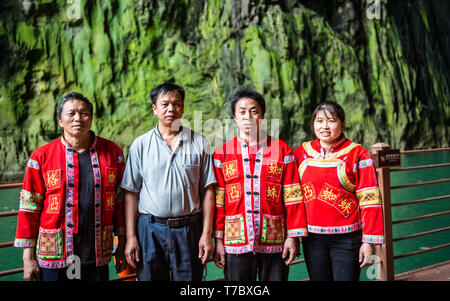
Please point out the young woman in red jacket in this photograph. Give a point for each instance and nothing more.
(342, 199)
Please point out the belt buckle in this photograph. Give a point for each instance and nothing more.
(175, 222)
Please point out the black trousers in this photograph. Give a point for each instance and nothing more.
(88, 272)
(331, 257)
(248, 266)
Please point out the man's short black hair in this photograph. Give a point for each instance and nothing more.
(164, 89)
(72, 96)
(247, 93)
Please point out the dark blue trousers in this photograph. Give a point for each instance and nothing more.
(331, 257)
(168, 253)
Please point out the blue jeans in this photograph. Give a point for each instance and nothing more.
(168, 253)
(331, 257)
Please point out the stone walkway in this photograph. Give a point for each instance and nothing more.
(436, 272)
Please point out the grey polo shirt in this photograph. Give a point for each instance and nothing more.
(169, 182)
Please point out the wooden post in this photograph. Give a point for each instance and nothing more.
(386, 250)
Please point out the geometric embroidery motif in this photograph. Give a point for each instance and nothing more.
(292, 194)
(50, 244)
(273, 192)
(233, 192)
(273, 229)
(329, 194)
(308, 192)
(230, 170)
(30, 201)
(346, 206)
(234, 230)
(110, 201)
(111, 176)
(369, 196)
(220, 197)
(33, 164)
(54, 203)
(274, 169)
(53, 179)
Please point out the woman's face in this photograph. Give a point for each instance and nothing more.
(327, 128)
(76, 118)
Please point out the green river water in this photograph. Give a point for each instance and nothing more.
(11, 258)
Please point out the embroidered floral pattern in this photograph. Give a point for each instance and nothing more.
(30, 201)
(273, 229)
(292, 194)
(234, 230)
(369, 196)
(220, 197)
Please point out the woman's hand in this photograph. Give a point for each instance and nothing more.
(365, 252)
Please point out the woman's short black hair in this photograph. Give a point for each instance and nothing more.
(164, 89)
(332, 107)
(247, 93)
(72, 96)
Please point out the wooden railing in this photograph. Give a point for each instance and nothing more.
(384, 251)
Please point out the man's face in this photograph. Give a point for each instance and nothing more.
(76, 118)
(168, 108)
(247, 114)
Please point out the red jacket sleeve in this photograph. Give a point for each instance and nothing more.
(293, 198)
(31, 203)
(369, 198)
(219, 214)
(119, 213)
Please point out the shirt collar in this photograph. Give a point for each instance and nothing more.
(262, 140)
(67, 144)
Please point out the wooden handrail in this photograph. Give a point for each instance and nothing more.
(420, 217)
(9, 213)
(421, 183)
(415, 151)
(11, 186)
(422, 233)
(422, 200)
(422, 251)
(420, 167)
(10, 272)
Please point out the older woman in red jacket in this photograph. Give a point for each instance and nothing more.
(342, 199)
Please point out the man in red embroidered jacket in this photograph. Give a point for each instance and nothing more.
(259, 204)
(68, 203)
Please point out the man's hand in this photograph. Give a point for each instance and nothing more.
(205, 247)
(119, 255)
(219, 255)
(291, 247)
(30, 266)
(132, 251)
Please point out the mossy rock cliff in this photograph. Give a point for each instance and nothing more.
(385, 62)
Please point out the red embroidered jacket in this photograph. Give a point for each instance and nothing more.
(340, 189)
(258, 196)
(48, 213)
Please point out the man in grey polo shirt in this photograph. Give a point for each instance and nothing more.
(169, 181)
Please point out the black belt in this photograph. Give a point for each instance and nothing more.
(173, 222)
